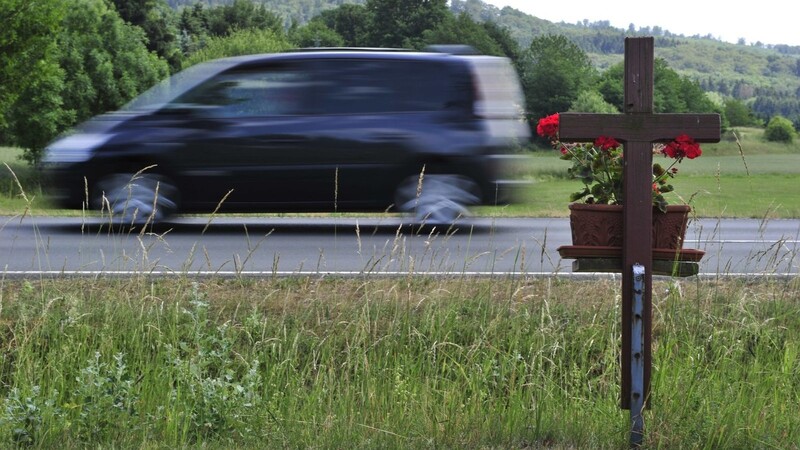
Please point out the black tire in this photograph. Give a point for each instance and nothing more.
(136, 199)
(437, 199)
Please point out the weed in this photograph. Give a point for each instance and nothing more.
(394, 362)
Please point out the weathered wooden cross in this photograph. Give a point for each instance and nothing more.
(638, 128)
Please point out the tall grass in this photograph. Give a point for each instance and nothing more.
(16, 174)
(370, 362)
(739, 177)
(742, 176)
(389, 363)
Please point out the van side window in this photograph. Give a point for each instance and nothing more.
(264, 92)
(381, 86)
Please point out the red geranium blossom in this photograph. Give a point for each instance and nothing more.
(599, 165)
(548, 127)
(606, 143)
(683, 146)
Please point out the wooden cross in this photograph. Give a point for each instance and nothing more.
(637, 129)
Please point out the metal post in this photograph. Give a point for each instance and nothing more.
(637, 357)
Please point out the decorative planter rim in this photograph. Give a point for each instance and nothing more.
(596, 206)
(603, 225)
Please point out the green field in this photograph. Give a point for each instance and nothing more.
(724, 191)
(409, 362)
(753, 178)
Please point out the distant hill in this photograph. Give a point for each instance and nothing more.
(767, 77)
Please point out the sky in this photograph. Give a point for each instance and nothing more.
(721, 19)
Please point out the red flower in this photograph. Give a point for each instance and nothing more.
(606, 143)
(683, 146)
(548, 126)
(599, 165)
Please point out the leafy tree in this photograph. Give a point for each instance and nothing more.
(401, 23)
(241, 15)
(592, 102)
(157, 20)
(352, 22)
(738, 113)
(27, 36)
(315, 34)
(677, 94)
(671, 92)
(243, 42)
(780, 129)
(40, 114)
(463, 30)
(162, 34)
(502, 36)
(553, 72)
(102, 62)
(134, 11)
(477, 9)
(610, 85)
(105, 59)
(193, 29)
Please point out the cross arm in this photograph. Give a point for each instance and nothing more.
(638, 127)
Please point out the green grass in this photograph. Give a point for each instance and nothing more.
(413, 362)
(748, 177)
(389, 363)
(756, 180)
(760, 196)
(17, 178)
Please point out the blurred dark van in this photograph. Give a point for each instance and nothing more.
(337, 130)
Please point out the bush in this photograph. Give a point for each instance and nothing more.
(592, 102)
(780, 129)
(315, 34)
(243, 42)
(739, 114)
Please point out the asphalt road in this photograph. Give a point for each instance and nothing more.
(282, 246)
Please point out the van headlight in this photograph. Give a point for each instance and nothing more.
(74, 148)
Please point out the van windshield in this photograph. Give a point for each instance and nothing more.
(170, 88)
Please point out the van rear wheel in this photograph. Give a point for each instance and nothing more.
(434, 199)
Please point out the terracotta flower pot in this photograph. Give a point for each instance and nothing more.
(601, 225)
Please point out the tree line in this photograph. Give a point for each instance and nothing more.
(763, 76)
(63, 62)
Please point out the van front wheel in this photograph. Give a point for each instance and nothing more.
(136, 199)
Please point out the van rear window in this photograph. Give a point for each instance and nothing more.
(381, 86)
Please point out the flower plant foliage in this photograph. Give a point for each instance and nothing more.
(599, 165)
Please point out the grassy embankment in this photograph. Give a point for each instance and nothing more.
(722, 183)
(757, 182)
(400, 363)
(415, 362)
